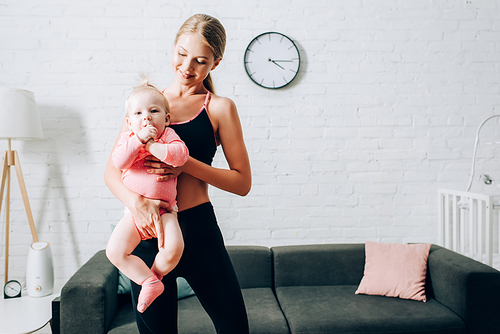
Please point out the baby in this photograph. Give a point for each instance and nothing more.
(148, 119)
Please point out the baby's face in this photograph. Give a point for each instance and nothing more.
(147, 108)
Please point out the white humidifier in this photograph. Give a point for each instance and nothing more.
(40, 270)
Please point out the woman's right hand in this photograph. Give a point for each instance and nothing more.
(146, 213)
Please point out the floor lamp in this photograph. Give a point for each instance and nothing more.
(19, 120)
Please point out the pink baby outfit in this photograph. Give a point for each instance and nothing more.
(129, 156)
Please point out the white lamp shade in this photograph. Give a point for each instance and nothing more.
(19, 117)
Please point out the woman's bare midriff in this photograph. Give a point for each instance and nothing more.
(191, 192)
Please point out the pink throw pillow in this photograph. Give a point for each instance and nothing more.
(395, 270)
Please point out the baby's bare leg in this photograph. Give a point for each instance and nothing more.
(121, 244)
(167, 258)
(169, 255)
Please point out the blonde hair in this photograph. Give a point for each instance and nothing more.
(211, 32)
(146, 85)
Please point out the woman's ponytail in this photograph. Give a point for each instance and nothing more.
(209, 84)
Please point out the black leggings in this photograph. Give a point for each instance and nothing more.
(205, 264)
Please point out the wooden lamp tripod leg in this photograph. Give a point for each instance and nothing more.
(5, 173)
(11, 158)
(26, 201)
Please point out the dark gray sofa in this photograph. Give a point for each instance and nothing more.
(304, 289)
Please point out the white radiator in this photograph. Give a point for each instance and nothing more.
(469, 224)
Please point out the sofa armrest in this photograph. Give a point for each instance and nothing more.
(89, 299)
(469, 288)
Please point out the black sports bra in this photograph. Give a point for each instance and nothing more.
(198, 135)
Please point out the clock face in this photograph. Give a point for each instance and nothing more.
(12, 289)
(272, 60)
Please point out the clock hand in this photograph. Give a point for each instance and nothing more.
(12, 289)
(282, 61)
(276, 64)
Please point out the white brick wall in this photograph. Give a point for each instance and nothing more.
(383, 113)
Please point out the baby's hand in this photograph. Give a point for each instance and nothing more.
(146, 133)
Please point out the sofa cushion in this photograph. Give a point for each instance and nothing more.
(336, 309)
(192, 318)
(264, 315)
(253, 265)
(124, 320)
(395, 270)
(329, 264)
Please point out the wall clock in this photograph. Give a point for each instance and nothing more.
(272, 60)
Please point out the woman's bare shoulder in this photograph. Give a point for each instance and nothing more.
(221, 106)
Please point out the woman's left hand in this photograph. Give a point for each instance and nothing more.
(165, 172)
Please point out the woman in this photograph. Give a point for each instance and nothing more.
(203, 120)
